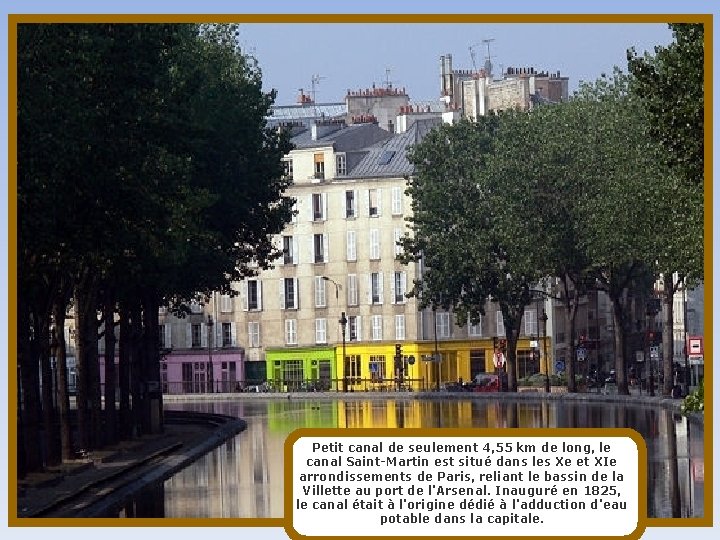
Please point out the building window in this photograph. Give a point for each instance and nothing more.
(225, 303)
(400, 327)
(162, 336)
(320, 300)
(499, 324)
(399, 287)
(352, 366)
(254, 334)
(288, 169)
(340, 164)
(443, 325)
(376, 327)
(352, 290)
(320, 330)
(374, 244)
(354, 328)
(197, 335)
(253, 295)
(293, 375)
(350, 204)
(530, 318)
(319, 166)
(320, 248)
(351, 246)
(397, 236)
(290, 293)
(397, 201)
(227, 334)
(477, 362)
(319, 206)
(527, 364)
(377, 367)
(374, 202)
(289, 250)
(475, 330)
(290, 332)
(376, 288)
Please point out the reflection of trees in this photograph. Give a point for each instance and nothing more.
(670, 439)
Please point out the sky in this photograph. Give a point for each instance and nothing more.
(354, 56)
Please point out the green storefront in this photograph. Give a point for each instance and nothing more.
(301, 369)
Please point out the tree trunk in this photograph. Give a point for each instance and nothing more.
(136, 371)
(42, 348)
(29, 456)
(63, 397)
(86, 363)
(668, 352)
(124, 347)
(620, 363)
(152, 361)
(571, 309)
(111, 432)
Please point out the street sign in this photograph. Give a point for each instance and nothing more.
(560, 365)
(654, 352)
(581, 353)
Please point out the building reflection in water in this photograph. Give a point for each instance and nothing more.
(244, 477)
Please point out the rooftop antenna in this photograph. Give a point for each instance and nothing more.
(388, 82)
(488, 64)
(471, 48)
(315, 80)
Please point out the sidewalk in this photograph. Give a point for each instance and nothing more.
(65, 490)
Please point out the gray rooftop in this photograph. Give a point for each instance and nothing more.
(389, 158)
(344, 138)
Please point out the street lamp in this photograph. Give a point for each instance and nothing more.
(210, 325)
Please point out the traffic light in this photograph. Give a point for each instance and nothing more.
(502, 345)
(398, 350)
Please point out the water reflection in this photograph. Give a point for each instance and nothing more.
(244, 477)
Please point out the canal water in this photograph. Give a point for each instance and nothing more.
(243, 478)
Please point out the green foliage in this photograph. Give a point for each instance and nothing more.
(695, 401)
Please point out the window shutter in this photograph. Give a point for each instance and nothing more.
(380, 286)
(203, 336)
(392, 289)
(369, 289)
(244, 295)
(324, 198)
(359, 327)
(259, 288)
(312, 209)
(379, 202)
(233, 334)
(296, 296)
(351, 246)
(326, 249)
(282, 293)
(218, 335)
(188, 335)
(344, 205)
(500, 323)
(296, 251)
(168, 335)
(397, 234)
(294, 217)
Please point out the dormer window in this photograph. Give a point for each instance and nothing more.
(340, 165)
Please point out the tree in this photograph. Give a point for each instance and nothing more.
(146, 173)
(670, 85)
(467, 259)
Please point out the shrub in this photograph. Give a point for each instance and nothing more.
(695, 401)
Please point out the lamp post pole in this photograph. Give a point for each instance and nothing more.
(209, 372)
(686, 375)
(343, 325)
(436, 356)
(547, 360)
